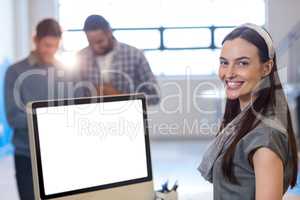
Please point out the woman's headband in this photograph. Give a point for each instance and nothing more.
(265, 35)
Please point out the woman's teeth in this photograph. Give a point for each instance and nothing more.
(234, 84)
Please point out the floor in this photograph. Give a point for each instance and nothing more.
(8, 189)
(172, 161)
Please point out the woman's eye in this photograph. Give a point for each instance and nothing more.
(243, 63)
(223, 63)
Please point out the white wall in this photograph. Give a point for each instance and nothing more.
(40, 9)
(22, 39)
(6, 30)
(27, 14)
(18, 19)
(283, 20)
(190, 107)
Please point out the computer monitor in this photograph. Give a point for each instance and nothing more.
(90, 148)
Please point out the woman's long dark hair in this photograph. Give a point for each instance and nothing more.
(265, 99)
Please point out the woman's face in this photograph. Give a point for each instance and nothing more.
(241, 69)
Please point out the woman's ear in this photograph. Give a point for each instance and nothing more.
(267, 67)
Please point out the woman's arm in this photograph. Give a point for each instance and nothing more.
(268, 170)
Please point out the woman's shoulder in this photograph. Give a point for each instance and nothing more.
(263, 131)
(268, 137)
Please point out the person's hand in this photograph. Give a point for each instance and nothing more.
(107, 89)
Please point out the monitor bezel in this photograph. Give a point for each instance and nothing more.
(87, 100)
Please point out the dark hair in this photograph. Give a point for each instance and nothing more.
(48, 27)
(96, 22)
(265, 98)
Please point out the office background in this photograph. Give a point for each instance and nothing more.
(192, 98)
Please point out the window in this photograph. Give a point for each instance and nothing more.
(175, 34)
(142, 39)
(187, 38)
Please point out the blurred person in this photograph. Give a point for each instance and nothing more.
(113, 67)
(38, 77)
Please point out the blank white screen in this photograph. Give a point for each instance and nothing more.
(88, 145)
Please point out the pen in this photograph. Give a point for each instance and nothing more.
(175, 186)
(165, 187)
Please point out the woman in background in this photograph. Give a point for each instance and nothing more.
(254, 155)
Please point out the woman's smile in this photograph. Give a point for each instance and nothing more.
(233, 84)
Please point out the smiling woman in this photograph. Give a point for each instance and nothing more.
(254, 155)
(241, 69)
